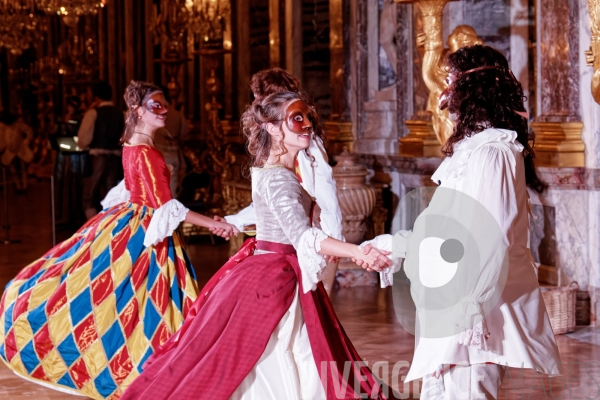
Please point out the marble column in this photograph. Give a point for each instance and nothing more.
(558, 124)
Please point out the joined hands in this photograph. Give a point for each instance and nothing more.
(373, 259)
(222, 228)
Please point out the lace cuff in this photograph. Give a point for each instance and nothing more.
(116, 195)
(471, 325)
(164, 221)
(311, 262)
(475, 337)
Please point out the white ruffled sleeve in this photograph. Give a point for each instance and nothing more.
(311, 262)
(164, 221)
(318, 174)
(117, 195)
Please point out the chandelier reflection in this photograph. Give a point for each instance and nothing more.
(78, 53)
(19, 25)
(171, 25)
(207, 19)
(70, 7)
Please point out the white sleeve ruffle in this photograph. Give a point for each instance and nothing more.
(311, 262)
(116, 195)
(164, 221)
(318, 174)
(397, 246)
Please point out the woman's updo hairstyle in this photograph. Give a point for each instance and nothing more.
(277, 80)
(255, 118)
(136, 94)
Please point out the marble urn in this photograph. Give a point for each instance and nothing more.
(357, 199)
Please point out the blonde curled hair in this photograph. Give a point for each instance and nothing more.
(136, 94)
(255, 118)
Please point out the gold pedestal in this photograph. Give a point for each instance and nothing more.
(421, 140)
(339, 135)
(558, 144)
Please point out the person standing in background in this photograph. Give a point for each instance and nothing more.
(15, 151)
(100, 132)
(169, 139)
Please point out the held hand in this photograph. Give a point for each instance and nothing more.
(372, 259)
(221, 228)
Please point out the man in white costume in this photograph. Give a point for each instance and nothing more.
(479, 309)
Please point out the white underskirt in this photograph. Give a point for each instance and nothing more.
(287, 369)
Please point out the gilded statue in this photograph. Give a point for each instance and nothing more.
(593, 54)
(434, 68)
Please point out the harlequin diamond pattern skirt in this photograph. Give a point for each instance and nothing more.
(85, 316)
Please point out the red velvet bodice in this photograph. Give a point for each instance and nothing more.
(146, 175)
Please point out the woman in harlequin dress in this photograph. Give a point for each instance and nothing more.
(263, 328)
(85, 316)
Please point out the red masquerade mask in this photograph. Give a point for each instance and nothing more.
(297, 118)
(157, 107)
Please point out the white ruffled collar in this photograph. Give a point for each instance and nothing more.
(453, 167)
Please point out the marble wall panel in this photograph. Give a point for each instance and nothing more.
(574, 241)
(380, 120)
(490, 18)
(362, 63)
(387, 76)
(521, 28)
(542, 234)
(404, 79)
(421, 92)
(558, 60)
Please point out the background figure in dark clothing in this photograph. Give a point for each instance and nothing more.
(100, 132)
(169, 139)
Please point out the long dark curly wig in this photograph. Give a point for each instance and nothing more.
(488, 98)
